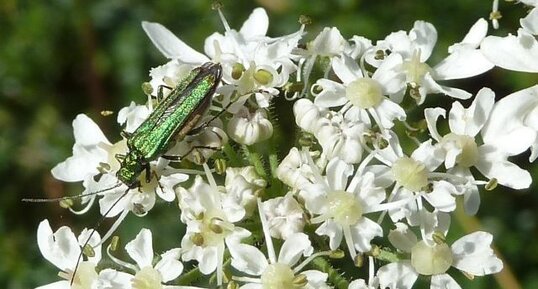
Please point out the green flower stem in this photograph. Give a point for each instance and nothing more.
(255, 160)
(335, 277)
(189, 277)
(235, 159)
(387, 256)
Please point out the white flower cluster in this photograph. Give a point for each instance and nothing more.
(348, 180)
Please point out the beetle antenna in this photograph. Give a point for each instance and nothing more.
(70, 197)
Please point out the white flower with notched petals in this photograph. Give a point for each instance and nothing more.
(364, 97)
(470, 254)
(63, 249)
(464, 60)
(210, 218)
(132, 116)
(277, 273)
(461, 150)
(285, 216)
(274, 272)
(147, 274)
(341, 207)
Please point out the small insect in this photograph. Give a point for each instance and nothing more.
(175, 117)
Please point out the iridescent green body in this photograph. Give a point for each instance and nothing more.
(172, 119)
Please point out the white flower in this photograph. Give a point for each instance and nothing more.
(210, 218)
(62, 249)
(281, 272)
(341, 207)
(514, 117)
(464, 60)
(147, 275)
(295, 170)
(360, 95)
(471, 254)
(250, 128)
(274, 272)
(242, 186)
(252, 62)
(284, 215)
(338, 136)
(461, 151)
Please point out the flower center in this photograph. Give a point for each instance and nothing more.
(84, 277)
(214, 229)
(431, 260)
(414, 69)
(147, 278)
(469, 150)
(364, 93)
(409, 173)
(343, 208)
(278, 276)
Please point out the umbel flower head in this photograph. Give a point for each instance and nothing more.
(260, 208)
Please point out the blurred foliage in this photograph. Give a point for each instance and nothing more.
(59, 58)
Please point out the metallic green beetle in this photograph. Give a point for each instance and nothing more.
(173, 118)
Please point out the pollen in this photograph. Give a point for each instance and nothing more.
(364, 93)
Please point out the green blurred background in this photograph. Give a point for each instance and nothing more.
(59, 58)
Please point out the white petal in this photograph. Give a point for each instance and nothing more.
(337, 174)
(87, 154)
(454, 92)
(431, 115)
(315, 278)
(346, 68)
(494, 164)
(390, 76)
(167, 183)
(333, 94)
(207, 261)
(444, 281)
(333, 231)
(463, 63)
(363, 232)
(169, 266)
(141, 248)
(112, 279)
(293, 248)
(256, 25)
(389, 111)
(508, 122)
(472, 254)
(397, 275)
(64, 284)
(171, 46)
(61, 248)
(402, 238)
(248, 259)
(476, 34)
(530, 22)
(424, 35)
(441, 197)
(515, 53)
